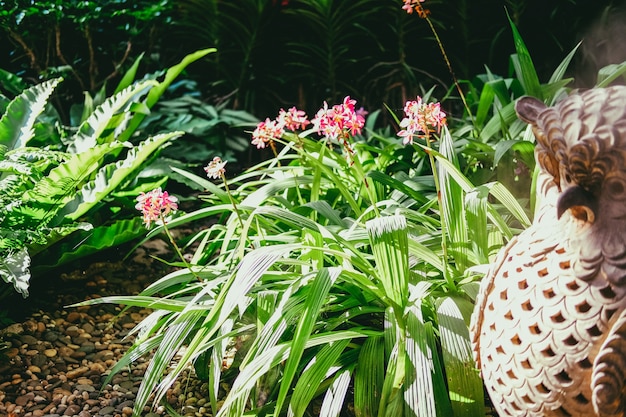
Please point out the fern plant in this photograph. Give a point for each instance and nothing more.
(62, 202)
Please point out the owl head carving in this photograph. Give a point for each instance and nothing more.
(581, 145)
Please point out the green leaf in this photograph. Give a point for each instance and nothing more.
(109, 116)
(315, 372)
(369, 377)
(156, 93)
(129, 76)
(14, 270)
(62, 183)
(464, 383)
(390, 247)
(17, 123)
(333, 401)
(524, 67)
(90, 242)
(425, 389)
(320, 287)
(109, 177)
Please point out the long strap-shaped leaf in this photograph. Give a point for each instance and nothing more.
(157, 92)
(390, 246)
(464, 383)
(317, 298)
(16, 125)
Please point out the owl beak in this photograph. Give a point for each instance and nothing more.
(581, 203)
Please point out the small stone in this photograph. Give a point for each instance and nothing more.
(22, 400)
(50, 353)
(106, 410)
(127, 411)
(73, 317)
(15, 328)
(11, 352)
(50, 336)
(39, 360)
(75, 373)
(34, 369)
(85, 388)
(28, 339)
(73, 409)
(72, 331)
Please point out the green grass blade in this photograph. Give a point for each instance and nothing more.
(464, 383)
(524, 66)
(316, 371)
(333, 401)
(320, 287)
(369, 377)
(390, 247)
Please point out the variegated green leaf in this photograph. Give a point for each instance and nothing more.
(17, 123)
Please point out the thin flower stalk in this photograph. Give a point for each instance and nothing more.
(339, 123)
(269, 131)
(424, 120)
(416, 5)
(215, 170)
(155, 206)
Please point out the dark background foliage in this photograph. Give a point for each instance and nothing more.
(277, 53)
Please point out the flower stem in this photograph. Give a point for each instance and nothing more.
(442, 217)
(232, 200)
(177, 249)
(448, 64)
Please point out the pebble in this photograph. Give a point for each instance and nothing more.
(57, 360)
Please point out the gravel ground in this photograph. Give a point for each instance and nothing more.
(59, 357)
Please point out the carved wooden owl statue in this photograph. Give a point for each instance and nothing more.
(549, 327)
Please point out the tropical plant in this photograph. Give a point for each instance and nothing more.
(209, 129)
(344, 269)
(72, 193)
(331, 269)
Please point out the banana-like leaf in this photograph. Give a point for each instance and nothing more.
(109, 177)
(464, 383)
(87, 243)
(16, 125)
(90, 132)
(56, 234)
(55, 190)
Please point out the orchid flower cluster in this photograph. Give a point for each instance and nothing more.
(421, 119)
(340, 121)
(269, 130)
(155, 205)
(336, 123)
(415, 5)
